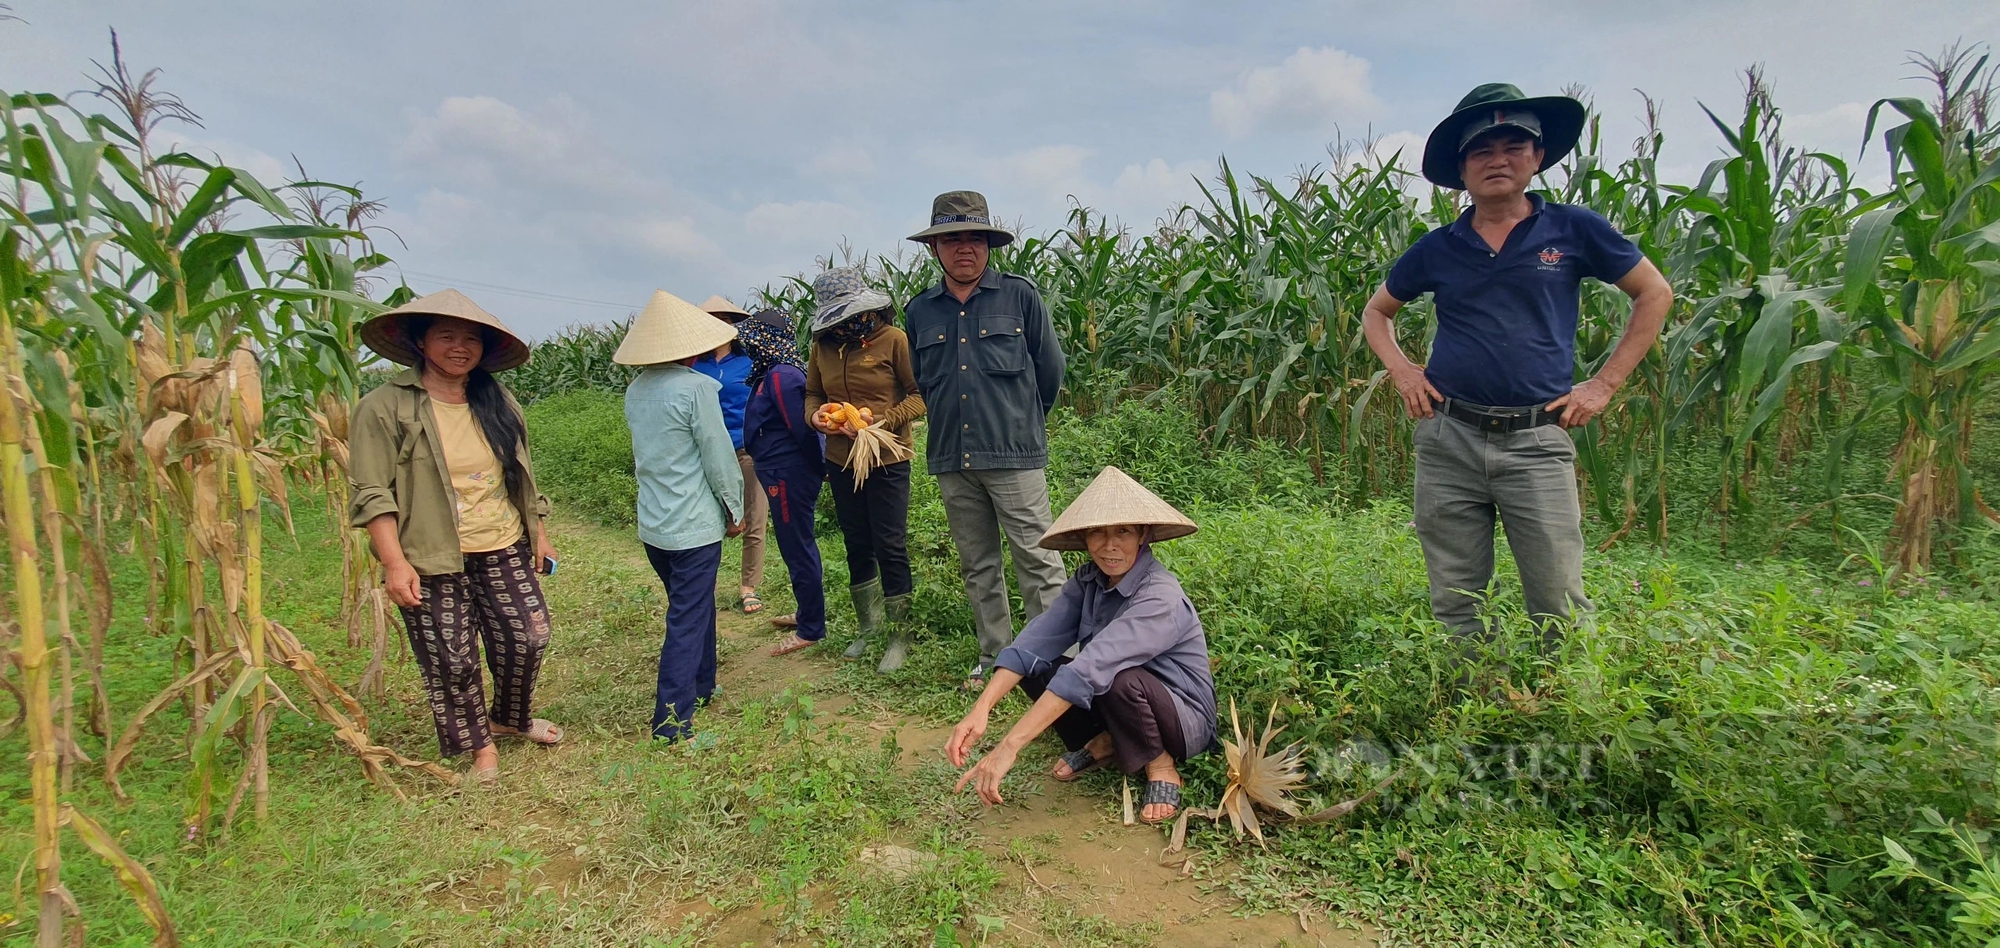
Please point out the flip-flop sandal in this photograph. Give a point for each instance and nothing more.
(484, 776)
(1080, 762)
(791, 645)
(539, 731)
(786, 621)
(751, 605)
(1161, 791)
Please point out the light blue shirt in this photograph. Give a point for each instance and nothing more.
(690, 486)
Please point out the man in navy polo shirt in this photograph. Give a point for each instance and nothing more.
(1501, 383)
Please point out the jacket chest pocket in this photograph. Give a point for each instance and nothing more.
(998, 345)
(932, 355)
(413, 446)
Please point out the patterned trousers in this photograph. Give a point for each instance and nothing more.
(496, 602)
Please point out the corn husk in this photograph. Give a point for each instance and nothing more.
(873, 448)
(1262, 778)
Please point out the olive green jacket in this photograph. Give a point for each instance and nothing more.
(396, 465)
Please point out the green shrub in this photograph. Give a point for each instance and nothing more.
(583, 454)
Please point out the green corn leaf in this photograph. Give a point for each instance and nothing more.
(199, 205)
(1773, 396)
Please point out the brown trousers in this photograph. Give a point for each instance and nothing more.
(496, 602)
(756, 514)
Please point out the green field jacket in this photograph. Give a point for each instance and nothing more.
(396, 465)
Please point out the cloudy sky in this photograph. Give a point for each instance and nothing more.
(559, 161)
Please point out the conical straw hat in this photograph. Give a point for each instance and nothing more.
(387, 333)
(723, 309)
(670, 329)
(1113, 498)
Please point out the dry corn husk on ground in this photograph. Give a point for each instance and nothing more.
(873, 446)
(1259, 777)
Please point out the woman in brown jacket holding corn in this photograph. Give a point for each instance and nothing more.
(860, 359)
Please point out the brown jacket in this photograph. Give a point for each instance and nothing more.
(877, 375)
(396, 465)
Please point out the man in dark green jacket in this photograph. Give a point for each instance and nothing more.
(989, 366)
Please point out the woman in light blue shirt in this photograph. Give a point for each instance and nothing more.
(690, 491)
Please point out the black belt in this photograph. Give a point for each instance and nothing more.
(1498, 421)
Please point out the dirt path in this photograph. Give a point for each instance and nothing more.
(1057, 841)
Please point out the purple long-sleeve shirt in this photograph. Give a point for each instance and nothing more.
(1146, 620)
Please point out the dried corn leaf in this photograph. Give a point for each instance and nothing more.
(249, 385)
(159, 435)
(131, 874)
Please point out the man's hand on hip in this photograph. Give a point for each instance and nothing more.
(1584, 402)
(1419, 398)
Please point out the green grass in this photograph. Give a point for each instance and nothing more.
(1715, 759)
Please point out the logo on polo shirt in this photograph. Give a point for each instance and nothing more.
(1551, 259)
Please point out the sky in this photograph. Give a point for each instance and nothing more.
(558, 162)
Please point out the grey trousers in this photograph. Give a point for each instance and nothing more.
(979, 505)
(1464, 477)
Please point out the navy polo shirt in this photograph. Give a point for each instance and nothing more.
(1506, 333)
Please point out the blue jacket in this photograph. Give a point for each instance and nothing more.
(775, 430)
(733, 371)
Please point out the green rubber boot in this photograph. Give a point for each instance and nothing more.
(898, 610)
(867, 613)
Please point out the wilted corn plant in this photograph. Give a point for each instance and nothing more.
(157, 360)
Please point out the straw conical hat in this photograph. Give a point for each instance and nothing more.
(723, 309)
(386, 333)
(1114, 497)
(670, 329)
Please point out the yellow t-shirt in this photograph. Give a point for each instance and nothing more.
(487, 519)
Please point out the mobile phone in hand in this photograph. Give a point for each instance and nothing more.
(548, 566)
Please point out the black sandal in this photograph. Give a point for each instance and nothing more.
(1161, 791)
(1080, 761)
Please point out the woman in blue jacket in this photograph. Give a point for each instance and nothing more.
(790, 465)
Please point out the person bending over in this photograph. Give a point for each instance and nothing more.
(1139, 692)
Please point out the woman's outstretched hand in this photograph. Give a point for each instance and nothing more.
(986, 775)
(965, 736)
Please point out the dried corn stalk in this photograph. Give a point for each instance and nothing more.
(1258, 778)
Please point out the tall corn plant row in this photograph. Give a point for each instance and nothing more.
(1923, 268)
(135, 320)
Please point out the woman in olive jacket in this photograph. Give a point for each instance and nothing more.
(439, 470)
(860, 358)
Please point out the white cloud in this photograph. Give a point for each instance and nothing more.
(1311, 89)
(841, 161)
(1837, 129)
(1410, 144)
(813, 223)
(1155, 187)
(269, 170)
(675, 239)
(481, 141)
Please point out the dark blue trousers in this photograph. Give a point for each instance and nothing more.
(793, 493)
(687, 655)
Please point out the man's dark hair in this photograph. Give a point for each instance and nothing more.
(503, 427)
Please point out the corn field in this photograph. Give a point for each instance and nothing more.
(178, 352)
(1806, 306)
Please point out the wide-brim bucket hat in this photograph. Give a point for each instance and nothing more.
(670, 329)
(1555, 119)
(955, 212)
(842, 293)
(1114, 498)
(723, 309)
(388, 333)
